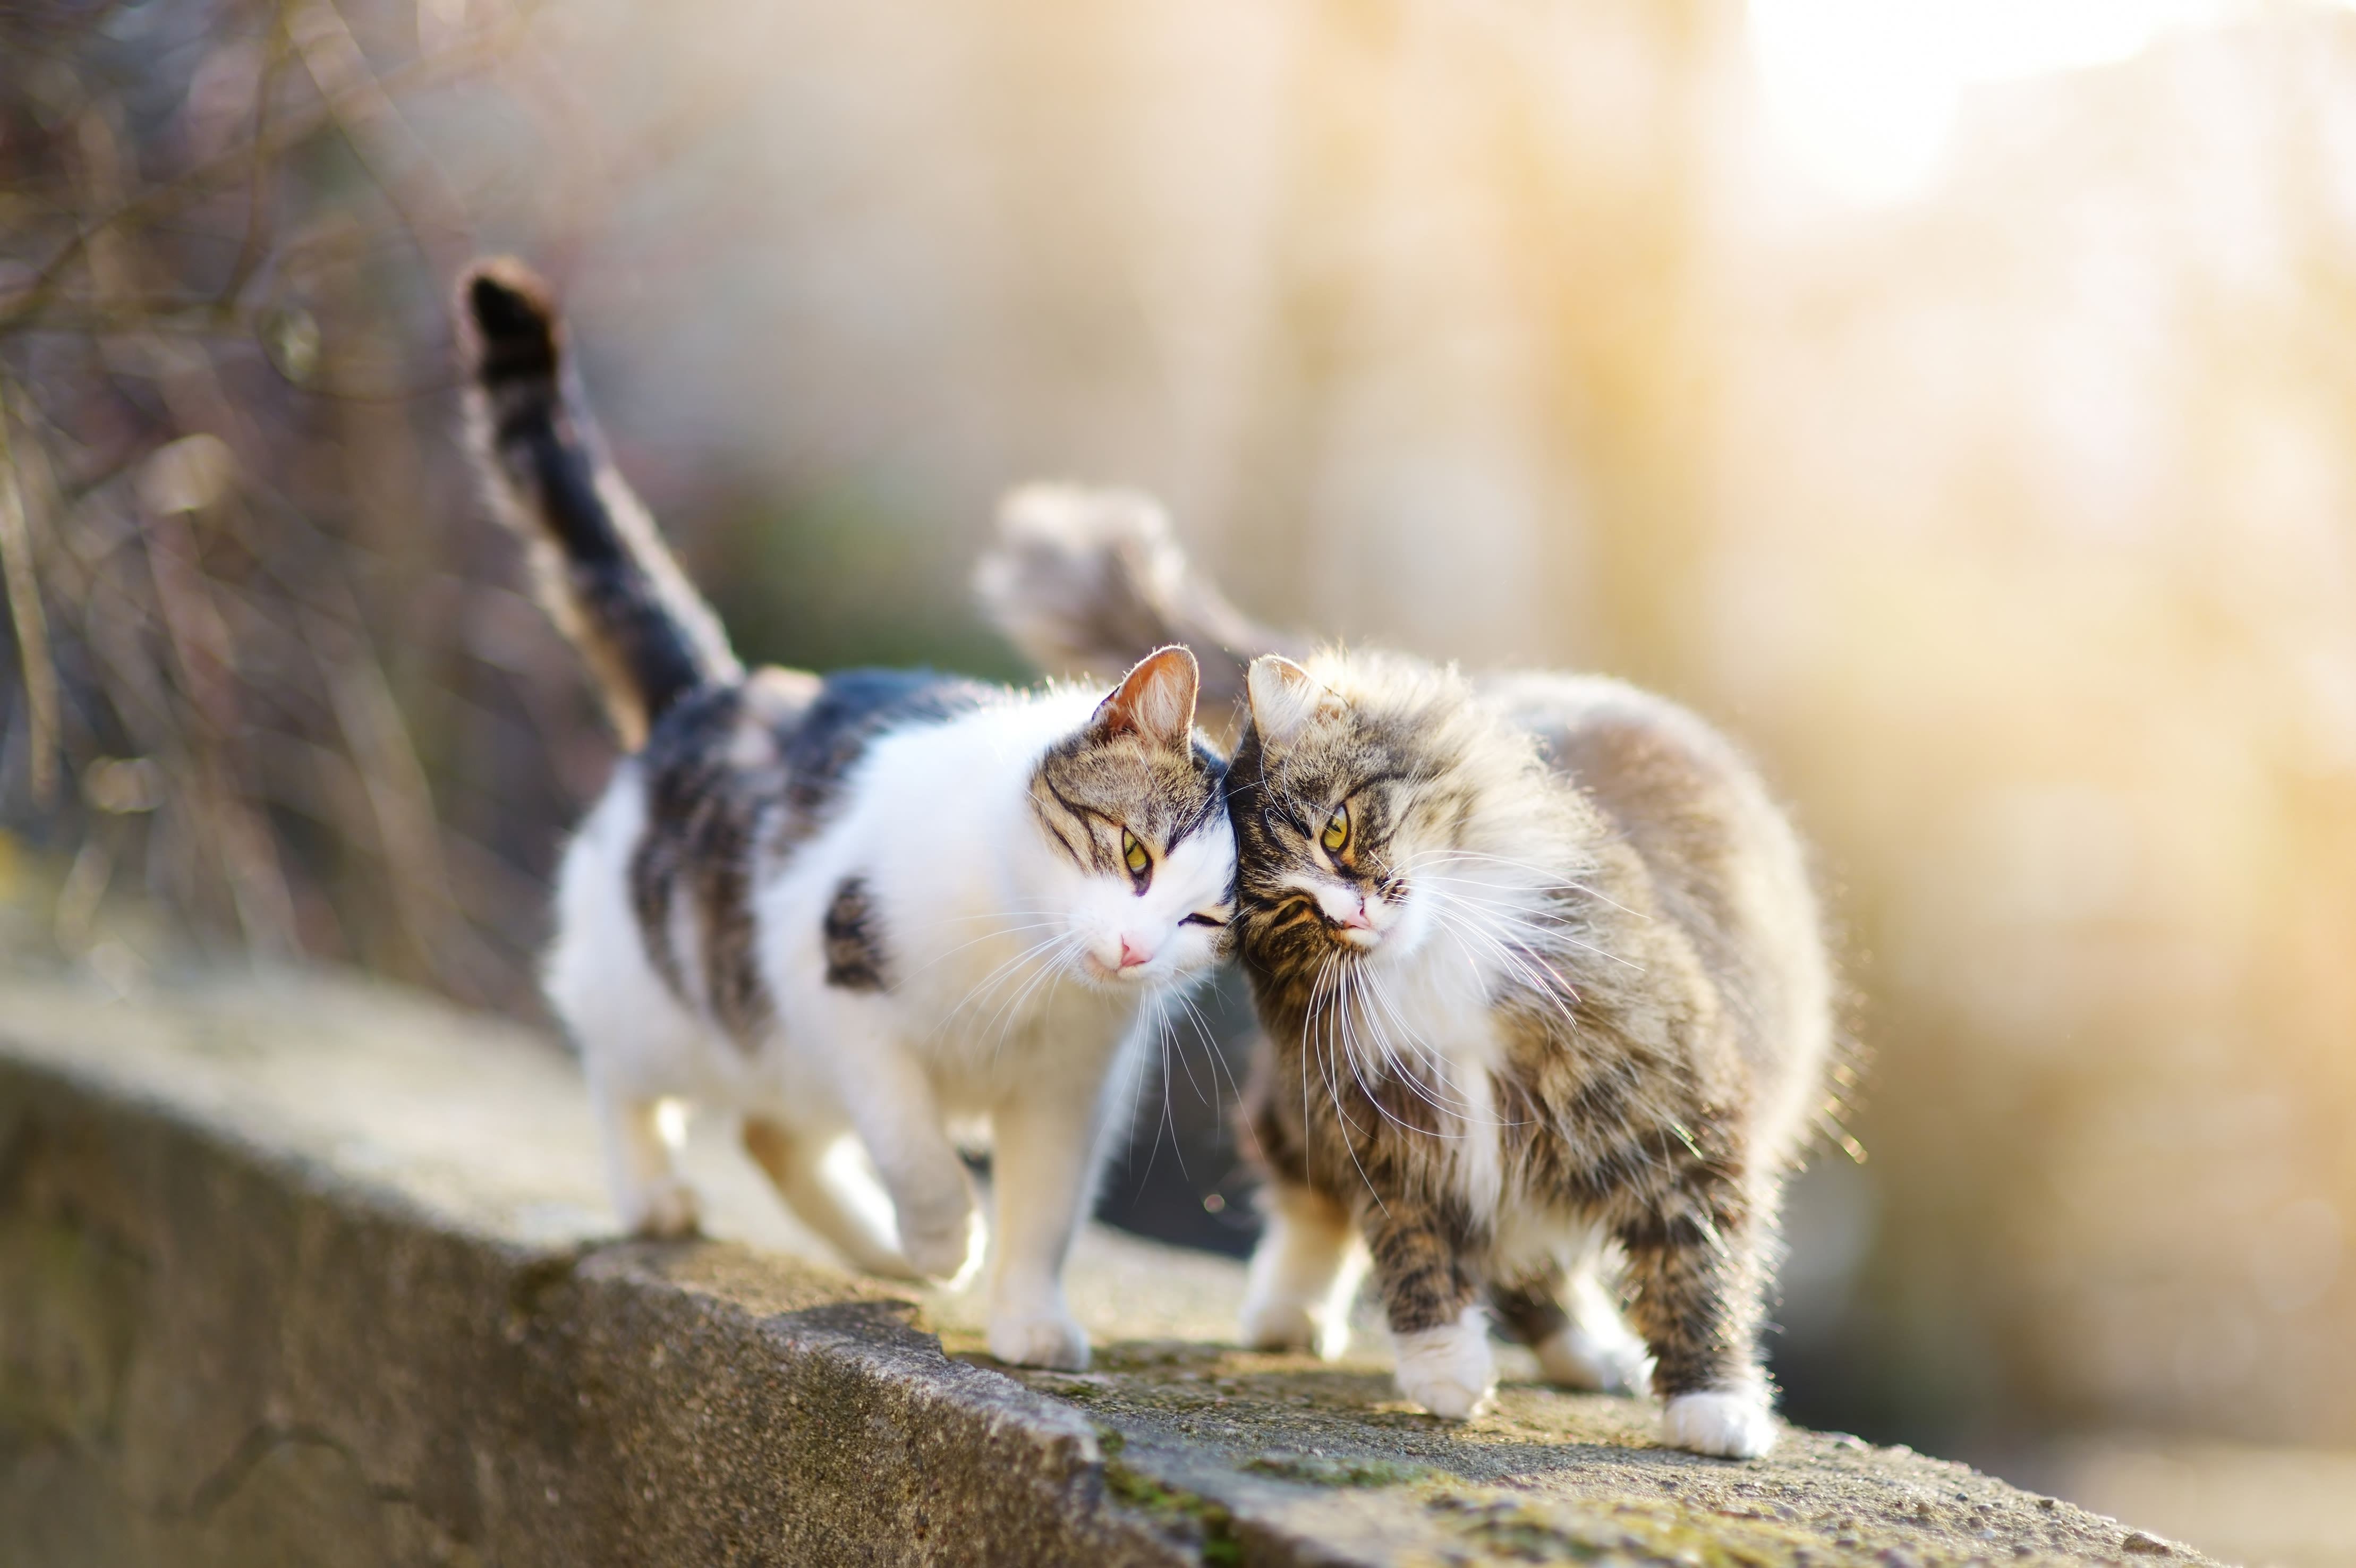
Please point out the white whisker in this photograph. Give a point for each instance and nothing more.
(996, 977)
(1333, 1082)
(1552, 877)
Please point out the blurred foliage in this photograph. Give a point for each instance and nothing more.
(237, 621)
(268, 676)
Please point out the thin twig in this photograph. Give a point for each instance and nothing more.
(198, 179)
(25, 610)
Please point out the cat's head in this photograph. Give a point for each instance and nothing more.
(1360, 783)
(1141, 861)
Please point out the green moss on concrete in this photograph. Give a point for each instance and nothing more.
(1212, 1524)
(1318, 1471)
(1547, 1476)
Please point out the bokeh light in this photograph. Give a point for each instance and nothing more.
(1863, 96)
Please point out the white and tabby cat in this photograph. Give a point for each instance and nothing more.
(870, 904)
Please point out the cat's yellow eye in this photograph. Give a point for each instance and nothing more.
(1133, 854)
(1337, 830)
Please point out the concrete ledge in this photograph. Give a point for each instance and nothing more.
(308, 1271)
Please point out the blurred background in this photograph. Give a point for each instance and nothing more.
(1956, 401)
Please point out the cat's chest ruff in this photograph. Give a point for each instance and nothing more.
(1431, 1022)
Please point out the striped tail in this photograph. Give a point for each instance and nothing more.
(1090, 581)
(599, 565)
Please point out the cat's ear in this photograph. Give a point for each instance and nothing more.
(1284, 698)
(1155, 700)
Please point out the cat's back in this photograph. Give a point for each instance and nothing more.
(1724, 860)
(1687, 800)
(734, 783)
(785, 742)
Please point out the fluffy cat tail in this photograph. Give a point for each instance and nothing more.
(1090, 581)
(599, 563)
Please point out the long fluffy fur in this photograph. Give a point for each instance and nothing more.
(1608, 1028)
(1613, 1043)
(599, 565)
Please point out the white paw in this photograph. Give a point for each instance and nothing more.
(1277, 1324)
(1731, 1423)
(1449, 1370)
(1282, 1323)
(1577, 1357)
(949, 1248)
(887, 1262)
(1304, 1276)
(1039, 1339)
(662, 1209)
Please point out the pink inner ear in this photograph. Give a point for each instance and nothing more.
(1158, 698)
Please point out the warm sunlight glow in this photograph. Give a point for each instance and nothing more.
(1861, 94)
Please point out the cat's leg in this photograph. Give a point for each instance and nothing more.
(898, 1117)
(1305, 1271)
(1595, 1349)
(636, 1040)
(1573, 1326)
(1044, 1141)
(1576, 1334)
(1527, 1308)
(1696, 1274)
(641, 1165)
(1304, 1274)
(1441, 1334)
(795, 1165)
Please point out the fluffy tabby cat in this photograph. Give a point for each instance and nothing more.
(867, 902)
(1542, 984)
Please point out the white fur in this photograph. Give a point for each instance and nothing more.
(1730, 1423)
(1008, 1000)
(1304, 1274)
(1416, 1005)
(1449, 1370)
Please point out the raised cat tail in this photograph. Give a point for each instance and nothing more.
(599, 565)
(1090, 581)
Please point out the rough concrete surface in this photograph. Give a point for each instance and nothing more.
(300, 1270)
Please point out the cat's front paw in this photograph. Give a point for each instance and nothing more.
(663, 1210)
(948, 1247)
(1278, 1323)
(1577, 1357)
(1730, 1424)
(1276, 1326)
(1449, 1370)
(888, 1263)
(1047, 1339)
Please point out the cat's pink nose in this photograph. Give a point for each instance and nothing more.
(1358, 919)
(1132, 954)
